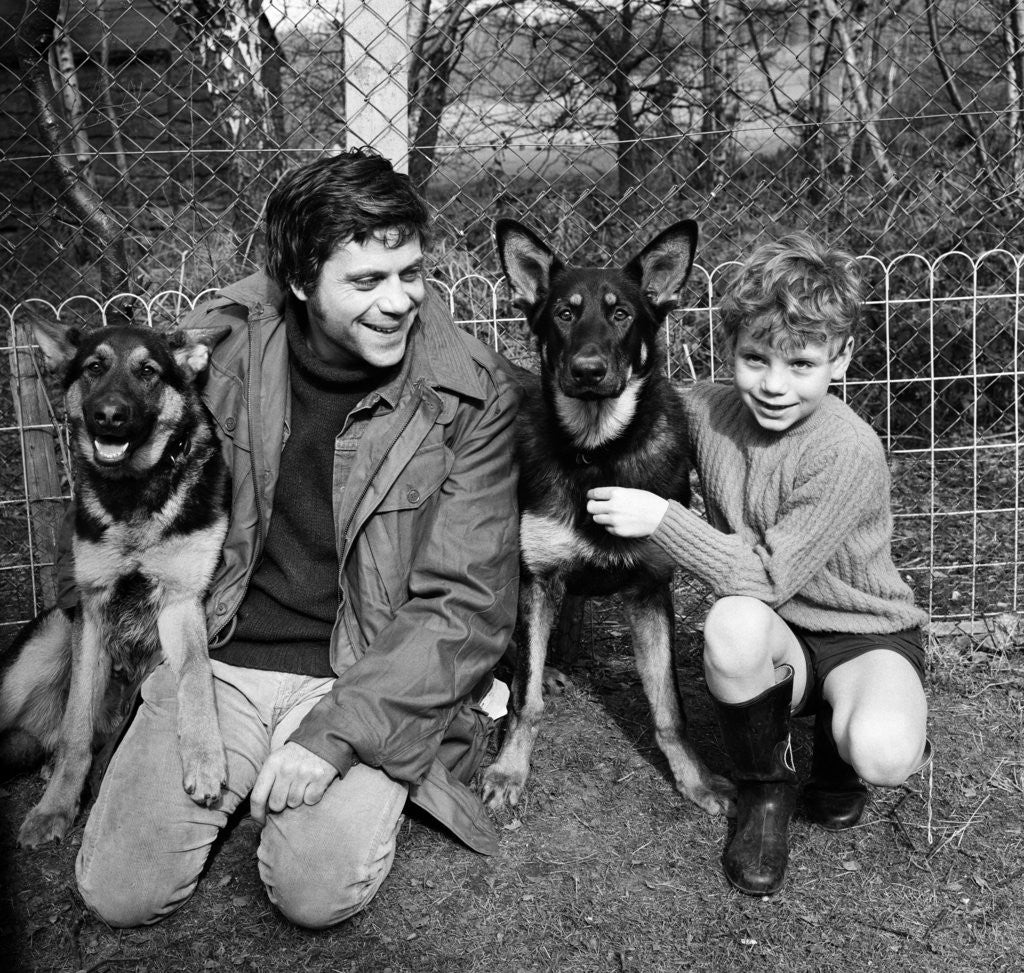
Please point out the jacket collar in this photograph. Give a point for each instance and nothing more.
(437, 352)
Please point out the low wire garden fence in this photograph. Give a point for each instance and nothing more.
(937, 373)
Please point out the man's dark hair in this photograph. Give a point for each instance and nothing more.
(319, 207)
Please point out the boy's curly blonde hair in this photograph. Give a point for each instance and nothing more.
(794, 291)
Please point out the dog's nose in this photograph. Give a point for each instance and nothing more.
(111, 417)
(588, 369)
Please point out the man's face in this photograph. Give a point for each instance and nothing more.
(365, 302)
(782, 388)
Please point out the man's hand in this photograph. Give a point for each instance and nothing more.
(290, 776)
(624, 512)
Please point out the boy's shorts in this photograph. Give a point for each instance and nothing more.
(825, 651)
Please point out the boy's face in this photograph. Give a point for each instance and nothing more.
(782, 388)
(365, 302)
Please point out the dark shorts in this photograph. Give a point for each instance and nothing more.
(825, 651)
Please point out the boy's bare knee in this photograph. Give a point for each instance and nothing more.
(884, 755)
(735, 631)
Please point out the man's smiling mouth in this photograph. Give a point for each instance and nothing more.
(394, 329)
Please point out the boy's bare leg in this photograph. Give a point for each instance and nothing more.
(756, 670)
(880, 712)
(746, 645)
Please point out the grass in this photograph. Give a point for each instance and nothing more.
(603, 867)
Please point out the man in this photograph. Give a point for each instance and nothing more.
(369, 577)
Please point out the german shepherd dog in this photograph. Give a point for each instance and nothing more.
(602, 413)
(150, 517)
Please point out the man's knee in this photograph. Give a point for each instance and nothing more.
(317, 884)
(735, 631)
(312, 903)
(121, 899)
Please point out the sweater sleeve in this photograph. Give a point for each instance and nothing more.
(835, 494)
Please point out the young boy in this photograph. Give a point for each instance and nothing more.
(811, 616)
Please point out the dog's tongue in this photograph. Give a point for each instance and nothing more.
(109, 452)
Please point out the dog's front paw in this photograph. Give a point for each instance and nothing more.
(43, 826)
(715, 795)
(205, 776)
(501, 788)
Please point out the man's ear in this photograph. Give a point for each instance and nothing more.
(842, 361)
(299, 292)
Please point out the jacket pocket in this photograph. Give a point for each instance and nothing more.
(419, 480)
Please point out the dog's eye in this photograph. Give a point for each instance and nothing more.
(94, 367)
(620, 314)
(564, 314)
(147, 371)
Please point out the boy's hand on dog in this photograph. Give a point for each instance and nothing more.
(290, 776)
(625, 512)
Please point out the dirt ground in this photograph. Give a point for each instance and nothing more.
(603, 867)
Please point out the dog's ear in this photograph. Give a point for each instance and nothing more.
(663, 266)
(191, 347)
(57, 342)
(528, 263)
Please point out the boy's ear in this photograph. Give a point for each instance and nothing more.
(842, 361)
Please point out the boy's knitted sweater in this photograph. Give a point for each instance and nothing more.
(800, 520)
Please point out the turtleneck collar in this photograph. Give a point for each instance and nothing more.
(353, 373)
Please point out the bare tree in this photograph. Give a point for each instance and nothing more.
(437, 45)
(35, 40)
(106, 103)
(720, 105)
(849, 24)
(1013, 72)
(237, 55)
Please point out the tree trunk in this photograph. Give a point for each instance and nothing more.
(104, 231)
(718, 95)
(857, 86)
(238, 56)
(817, 103)
(436, 53)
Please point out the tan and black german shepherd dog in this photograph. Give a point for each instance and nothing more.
(151, 512)
(602, 413)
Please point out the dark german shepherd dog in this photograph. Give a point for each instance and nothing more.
(150, 519)
(603, 413)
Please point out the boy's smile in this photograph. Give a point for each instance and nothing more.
(781, 388)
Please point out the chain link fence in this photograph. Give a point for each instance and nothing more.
(146, 135)
(139, 140)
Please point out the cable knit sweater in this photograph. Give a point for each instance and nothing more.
(800, 520)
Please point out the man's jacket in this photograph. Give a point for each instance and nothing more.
(426, 528)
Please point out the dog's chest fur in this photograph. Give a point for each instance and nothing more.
(557, 535)
(139, 564)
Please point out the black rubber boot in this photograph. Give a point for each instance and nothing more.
(756, 736)
(834, 796)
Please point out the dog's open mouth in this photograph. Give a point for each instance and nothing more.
(109, 452)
